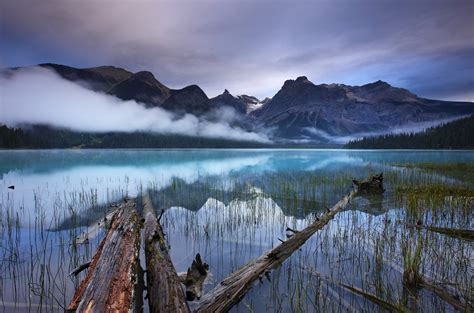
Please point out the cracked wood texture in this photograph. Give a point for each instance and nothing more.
(111, 281)
(165, 293)
(231, 290)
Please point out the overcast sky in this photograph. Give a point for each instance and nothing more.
(252, 47)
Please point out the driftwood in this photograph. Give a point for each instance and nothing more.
(465, 234)
(236, 285)
(165, 293)
(427, 281)
(446, 296)
(373, 185)
(326, 282)
(194, 278)
(111, 284)
(93, 230)
(373, 298)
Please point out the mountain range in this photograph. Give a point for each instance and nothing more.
(300, 112)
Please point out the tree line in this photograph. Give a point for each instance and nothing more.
(458, 134)
(45, 137)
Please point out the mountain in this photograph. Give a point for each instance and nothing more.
(191, 99)
(453, 135)
(252, 103)
(100, 78)
(307, 112)
(142, 87)
(226, 99)
(301, 112)
(242, 104)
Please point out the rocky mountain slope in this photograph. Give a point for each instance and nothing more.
(100, 78)
(305, 111)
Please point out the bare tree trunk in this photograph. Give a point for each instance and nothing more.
(231, 290)
(111, 282)
(165, 293)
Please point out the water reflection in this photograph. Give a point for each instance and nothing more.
(228, 205)
(111, 174)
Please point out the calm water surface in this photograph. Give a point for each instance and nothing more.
(230, 206)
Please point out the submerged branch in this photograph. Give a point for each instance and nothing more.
(79, 269)
(373, 298)
(465, 234)
(446, 296)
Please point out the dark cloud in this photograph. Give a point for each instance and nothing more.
(253, 46)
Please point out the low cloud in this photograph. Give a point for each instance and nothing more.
(400, 129)
(40, 96)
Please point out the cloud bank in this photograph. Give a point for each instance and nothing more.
(399, 129)
(39, 96)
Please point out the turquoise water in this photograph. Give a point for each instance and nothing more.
(228, 205)
(107, 171)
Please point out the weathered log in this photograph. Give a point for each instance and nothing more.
(165, 293)
(111, 284)
(464, 234)
(326, 282)
(231, 290)
(391, 307)
(373, 185)
(446, 293)
(93, 230)
(446, 296)
(195, 277)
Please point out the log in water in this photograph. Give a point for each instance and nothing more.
(229, 292)
(112, 282)
(165, 293)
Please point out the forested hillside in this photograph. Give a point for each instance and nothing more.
(44, 137)
(454, 135)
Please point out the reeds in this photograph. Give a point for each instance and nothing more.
(231, 219)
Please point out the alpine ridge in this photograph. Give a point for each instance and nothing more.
(300, 112)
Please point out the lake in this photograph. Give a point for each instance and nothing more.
(233, 205)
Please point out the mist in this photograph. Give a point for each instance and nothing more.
(40, 96)
(399, 129)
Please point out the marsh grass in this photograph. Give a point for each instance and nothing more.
(38, 249)
(368, 247)
(457, 170)
(232, 219)
(412, 261)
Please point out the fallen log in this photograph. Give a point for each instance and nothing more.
(93, 230)
(165, 293)
(391, 307)
(446, 292)
(464, 234)
(446, 296)
(231, 290)
(332, 292)
(111, 284)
